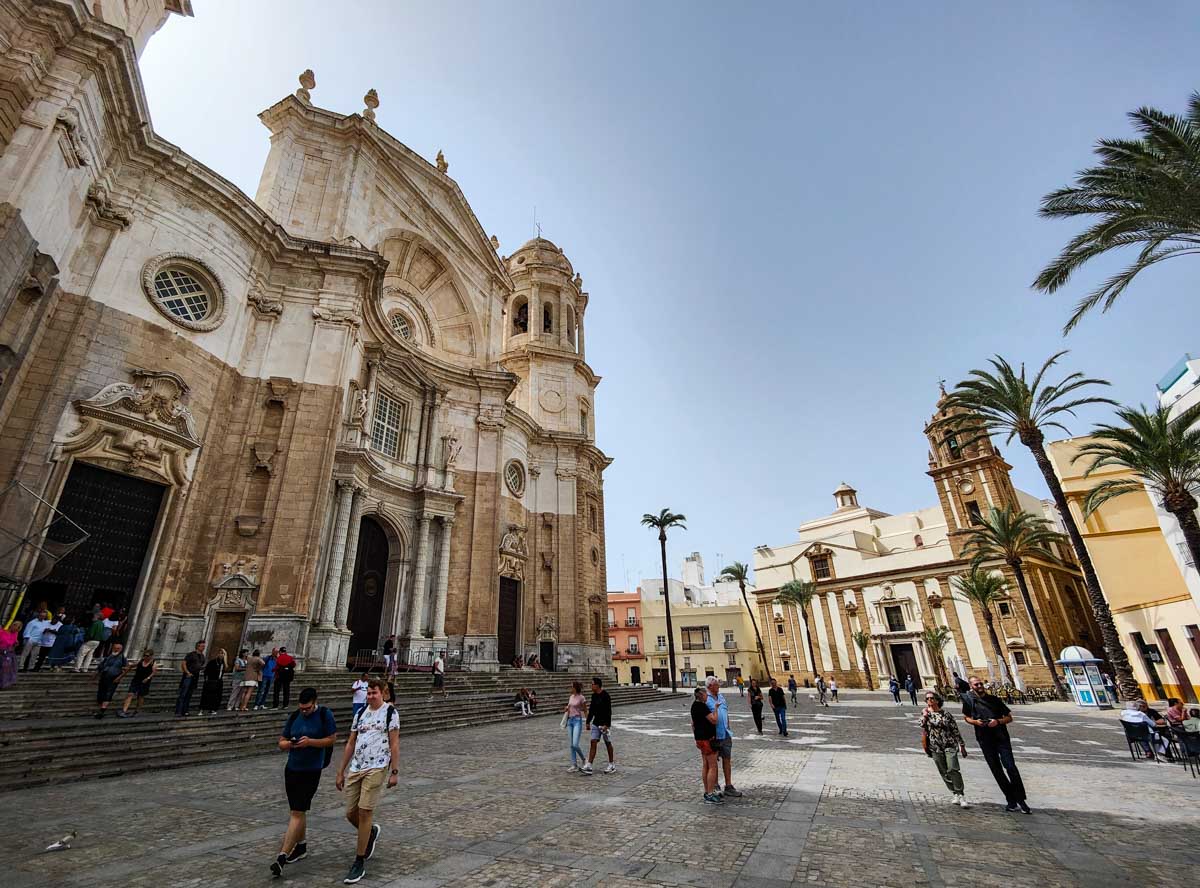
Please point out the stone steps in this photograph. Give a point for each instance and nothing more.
(56, 750)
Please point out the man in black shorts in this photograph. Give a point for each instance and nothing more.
(308, 737)
(439, 675)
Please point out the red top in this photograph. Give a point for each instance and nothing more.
(105, 613)
(284, 659)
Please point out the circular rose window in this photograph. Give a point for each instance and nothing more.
(514, 477)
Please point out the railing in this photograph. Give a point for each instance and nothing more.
(612, 624)
(660, 647)
(632, 622)
(704, 646)
(730, 645)
(633, 652)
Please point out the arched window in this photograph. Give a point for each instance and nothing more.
(402, 326)
(569, 320)
(547, 318)
(521, 316)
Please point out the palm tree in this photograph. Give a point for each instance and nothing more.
(1012, 535)
(1002, 401)
(800, 593)
(1163, 453)
(740, 573)
(1145, 193)
(984, 588)
(862, 639)
(663, 520)
(936, 638)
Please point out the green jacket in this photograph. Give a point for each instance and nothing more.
(95, 631)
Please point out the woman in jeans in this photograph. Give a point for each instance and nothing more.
(576, 710)
(942, 742)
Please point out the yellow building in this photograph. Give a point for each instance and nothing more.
(1155, 614)
(710, 639)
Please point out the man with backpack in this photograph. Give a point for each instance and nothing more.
(371, 757)
(308, 737)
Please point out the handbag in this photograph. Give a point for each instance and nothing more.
(563, 722)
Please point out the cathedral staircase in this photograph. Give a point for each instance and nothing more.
(48, 735)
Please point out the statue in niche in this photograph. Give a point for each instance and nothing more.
(361, 407)
(451, 447)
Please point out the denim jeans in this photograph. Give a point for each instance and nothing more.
(264, 688)
(574, 732)
(781, 719)
(183, 701)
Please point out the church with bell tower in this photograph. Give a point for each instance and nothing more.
(883, 580)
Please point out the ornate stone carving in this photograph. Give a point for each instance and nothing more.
(263, 303)
(337, 316)
(495, 241)
(513, 553)
(547, 628)
(152, 401)
(72, 141)
(263, 454)
(42, 278)
(308, 81)
(442, 165)
(491, 416)
(362, 406)
(371, 100)
(106, 213)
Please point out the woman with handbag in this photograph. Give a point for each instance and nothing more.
(573, 715)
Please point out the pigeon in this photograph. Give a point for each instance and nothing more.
(63, 844)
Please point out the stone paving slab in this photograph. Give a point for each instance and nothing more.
(847, 799)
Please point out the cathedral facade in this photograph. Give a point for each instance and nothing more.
(313, 419)
(890, 578)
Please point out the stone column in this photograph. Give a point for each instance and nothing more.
(438, 618)
(416, 603)
(337, 554)
(351, 557)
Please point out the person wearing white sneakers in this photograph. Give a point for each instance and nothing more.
(943, 742)
(573, 716)
(600, 721)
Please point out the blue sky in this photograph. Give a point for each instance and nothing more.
(793, 219)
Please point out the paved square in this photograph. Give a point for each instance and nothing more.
(847, 799)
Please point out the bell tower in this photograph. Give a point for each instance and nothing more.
(968, 471)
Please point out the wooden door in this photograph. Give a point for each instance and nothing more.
(506, 620)
(1182, 680)
(635, 674)
(905, 663)
(228, 627)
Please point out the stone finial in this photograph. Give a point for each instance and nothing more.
(495, 242)
(578, 281)
(441, 162)
(371, 100)
(308, 81)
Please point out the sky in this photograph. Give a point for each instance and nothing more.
(793, 219)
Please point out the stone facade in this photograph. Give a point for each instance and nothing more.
(891, 577)
(337, 411)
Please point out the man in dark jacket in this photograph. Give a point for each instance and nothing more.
(600, 722)
(990, 717)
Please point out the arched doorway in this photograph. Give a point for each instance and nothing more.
(370, 581)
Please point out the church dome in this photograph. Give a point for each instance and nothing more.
(539, 251)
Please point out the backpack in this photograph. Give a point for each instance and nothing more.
(326, 722)
(391, 710)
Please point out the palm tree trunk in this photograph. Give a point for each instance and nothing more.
(1037, 629)
(867, 669)
(808, 637)
(753, 622)
(662, 542)
(991, 628)
(1130, 689)
(1191, 532)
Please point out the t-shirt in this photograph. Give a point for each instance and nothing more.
(600, 712)
(985, 707)
(254, 669)
(371, 749)
(318, 725)
(439, 666)
(575, 706)
(777, 700)
(389, 646)
(95, 631)
(717, 704)
(1192, 725)
(756, 695)
(49, 633)
(269, 668)
(111, 666)
(194, 662)
(702, 728)
(360, 691)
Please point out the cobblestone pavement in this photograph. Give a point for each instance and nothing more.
(847, 799)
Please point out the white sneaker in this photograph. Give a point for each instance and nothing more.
(610, 768)
(572, 769)
(962, 802)
(587, 769)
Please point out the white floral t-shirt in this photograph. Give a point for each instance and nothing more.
(371, 750)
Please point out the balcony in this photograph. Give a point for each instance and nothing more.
(730, 645)
(697, 646)
(633, 652)
(632, 622)
(613, 624)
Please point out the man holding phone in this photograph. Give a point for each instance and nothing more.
(308, 737)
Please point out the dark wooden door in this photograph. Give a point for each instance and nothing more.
(905, 663)
(370, 579)
(546, 655)
(119, 513)
(1182, 680)
(662, 677)
(506, 620)
(635, 674)
(228, 627)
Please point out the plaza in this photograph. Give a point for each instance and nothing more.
(847, 799)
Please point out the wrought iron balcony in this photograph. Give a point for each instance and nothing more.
(632, 622)
(730, 645)
(702, 646)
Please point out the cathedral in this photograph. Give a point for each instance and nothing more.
(890, 579)
(312, 419)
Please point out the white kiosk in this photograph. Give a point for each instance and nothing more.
(1083, 676)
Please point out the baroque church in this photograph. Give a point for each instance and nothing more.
(313, 418)
(891, 577)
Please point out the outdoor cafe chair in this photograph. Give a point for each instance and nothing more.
(1187, 748)
(1140, 740)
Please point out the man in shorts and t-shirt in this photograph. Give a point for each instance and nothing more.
(723, 744)
(599, 719)
(371, 756)
(439, 676)
(704, 730)
(359, 702)
(307, 737)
